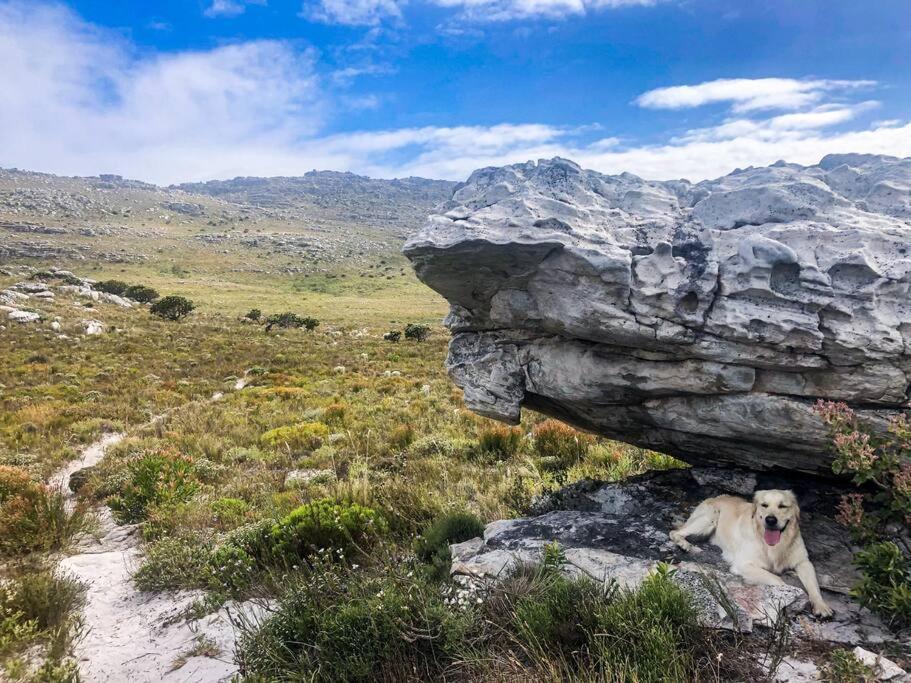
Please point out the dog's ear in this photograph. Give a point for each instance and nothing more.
(792, 501)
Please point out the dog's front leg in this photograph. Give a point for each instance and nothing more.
(806, 572)
(757, 575)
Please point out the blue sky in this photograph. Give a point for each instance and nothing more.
(178, 90)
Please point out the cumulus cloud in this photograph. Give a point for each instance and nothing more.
(508, 10)
(87, 102)
(354, 12)
(747, 94)
(230, 8)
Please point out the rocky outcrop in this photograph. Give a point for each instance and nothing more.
(702, 320)
(619, 532)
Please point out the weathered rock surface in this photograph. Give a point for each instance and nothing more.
(620, 531)
(700, 320)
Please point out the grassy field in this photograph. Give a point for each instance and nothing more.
(376, 427)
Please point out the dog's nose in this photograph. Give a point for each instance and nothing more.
(771, 520)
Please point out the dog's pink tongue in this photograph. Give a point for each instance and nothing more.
(772, 536)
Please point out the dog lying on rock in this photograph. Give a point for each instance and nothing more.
(759, 539)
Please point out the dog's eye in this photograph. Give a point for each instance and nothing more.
(783, 507)
(765, 505)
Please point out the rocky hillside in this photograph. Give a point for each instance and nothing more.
(316, 222)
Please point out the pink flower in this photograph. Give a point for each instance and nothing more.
(851, 510)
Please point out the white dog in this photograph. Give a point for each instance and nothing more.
(759, 540)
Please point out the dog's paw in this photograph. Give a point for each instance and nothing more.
(695, 549)
(823, 611)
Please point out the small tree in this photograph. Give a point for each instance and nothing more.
(117, 287)
(417, 332)
(291, 320)
(172, 307)
(140, 293)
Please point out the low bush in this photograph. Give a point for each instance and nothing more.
(117, 287)
(173, 563)
(500, 442)
(345, 528)
(291, 320)
(878, 514)
(536, 624)
(885, 586)
(559, 446)
(172, 307)
(340, 625)
(254, 314)
(432, 547)
(39, 604)
(393, 336)
(229, 513)
(844, 667)
(34, 517)
(140, 293)
(303, 436)
(153, 478)
(417, 332)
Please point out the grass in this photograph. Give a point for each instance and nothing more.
(388, 437)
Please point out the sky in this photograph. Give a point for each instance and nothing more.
(170, 91)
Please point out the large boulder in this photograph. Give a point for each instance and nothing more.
(702, 320)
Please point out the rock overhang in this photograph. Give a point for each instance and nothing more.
(702, 320)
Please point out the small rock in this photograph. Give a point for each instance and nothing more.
(339, 370)
(307, 476)
(24, 316)
(93, 326)
(55, 326)
(886, 670)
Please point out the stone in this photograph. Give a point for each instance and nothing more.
(619, 531)
(24, 316)
(296, 478)
(93, 327)
(885, 669)
(701, 320)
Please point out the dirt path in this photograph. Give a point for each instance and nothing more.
(130, 635)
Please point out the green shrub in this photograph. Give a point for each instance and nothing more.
(559, 446)
(229, 513)
(879, 462)
(291, 320)
(344, 626)
(34, 517)
(303, 436)
(393, 336)
(172, 307)
(141, 293)
(345, 528)
(153, 478)
(417, 332)
(40, 604)
(117, 287)
(885, 586)
(254, 314)
(173, 563)
(500, 442)
(650, 634)
(451, 527)
(401, 437)
(844, 667)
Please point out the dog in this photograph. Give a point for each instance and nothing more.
(759, 540)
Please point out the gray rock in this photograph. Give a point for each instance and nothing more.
(619, 531)
(699, 320)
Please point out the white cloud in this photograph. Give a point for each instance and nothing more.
(230, 8)
(747, 94)
(508, 10)
(354, 12)
(86, 102)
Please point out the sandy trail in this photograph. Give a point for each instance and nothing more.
(130, 635)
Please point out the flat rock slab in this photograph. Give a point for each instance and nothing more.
(619, 531)
(701, 320)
